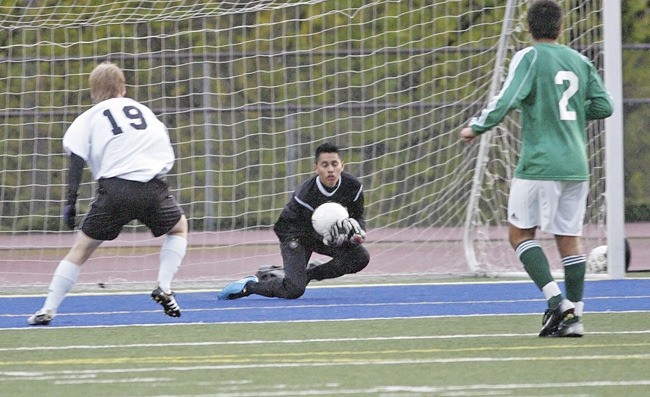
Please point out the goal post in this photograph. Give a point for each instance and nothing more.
(248, 90)
(612, 43)
(482, 157)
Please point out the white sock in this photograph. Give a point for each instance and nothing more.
(580, 306)
(551, 289)
(171, 255)
(566, 305)
(64, 278)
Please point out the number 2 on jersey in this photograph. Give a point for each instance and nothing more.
(560, 78)
(130, 112)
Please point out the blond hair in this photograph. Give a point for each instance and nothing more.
(106, 81)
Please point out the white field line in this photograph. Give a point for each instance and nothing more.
(6, 375)
(332, 390)
(237, 389)
(336, 305)
(400, 390)
(524, 280)
(217, 288)
(292, 341)
(203, 323)
(99, 376)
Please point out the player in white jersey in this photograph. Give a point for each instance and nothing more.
(128, 152)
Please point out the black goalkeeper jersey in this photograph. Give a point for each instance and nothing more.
(295, 219)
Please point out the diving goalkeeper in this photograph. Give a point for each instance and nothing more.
(298, 239)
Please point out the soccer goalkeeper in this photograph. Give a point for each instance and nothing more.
(557, 90)
(298, 240)
(128, 152)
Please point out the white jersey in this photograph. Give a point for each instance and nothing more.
(122, 138)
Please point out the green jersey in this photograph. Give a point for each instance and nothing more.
(557, 90)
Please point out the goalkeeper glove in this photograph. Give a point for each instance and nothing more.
(335, 236)
(344, 230)
(353, 231)
(69, 214)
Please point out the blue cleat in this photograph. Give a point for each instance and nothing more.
(236, 289)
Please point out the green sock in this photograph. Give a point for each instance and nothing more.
(574, 276)
(555, 301)
(535, 262)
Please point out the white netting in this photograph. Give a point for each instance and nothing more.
(248, 90)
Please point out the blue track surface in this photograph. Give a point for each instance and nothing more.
(327, 303)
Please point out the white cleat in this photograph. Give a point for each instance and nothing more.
(41, 317)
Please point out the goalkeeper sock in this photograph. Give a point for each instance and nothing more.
(574, 276)
(171, 255)
(64, 278)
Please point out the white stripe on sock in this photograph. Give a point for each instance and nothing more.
(573, 260)
(525, 246)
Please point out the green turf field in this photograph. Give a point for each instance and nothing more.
(461, 356)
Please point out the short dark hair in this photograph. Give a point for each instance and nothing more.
(545, 19)
(325, 148)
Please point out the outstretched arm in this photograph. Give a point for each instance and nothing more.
(517, 86)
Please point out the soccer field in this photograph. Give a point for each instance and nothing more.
(440, 339)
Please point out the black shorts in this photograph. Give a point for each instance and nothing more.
(119, 201)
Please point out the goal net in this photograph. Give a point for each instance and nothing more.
(248, 91)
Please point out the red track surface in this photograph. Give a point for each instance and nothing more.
(29, 260)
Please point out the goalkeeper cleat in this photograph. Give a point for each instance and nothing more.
(553, 317)
(167, 301)
(41, 317)
(266, 273)
(570, 328)
(237, 289)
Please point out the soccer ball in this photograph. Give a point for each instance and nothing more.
(326, 215)
(597, 260)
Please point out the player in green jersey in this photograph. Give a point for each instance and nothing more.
(557, 91)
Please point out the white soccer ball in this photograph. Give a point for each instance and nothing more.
(326, 215)
(597, 260)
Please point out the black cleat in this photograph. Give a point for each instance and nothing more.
(167, 301)
(570, 328)
(552, 319)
